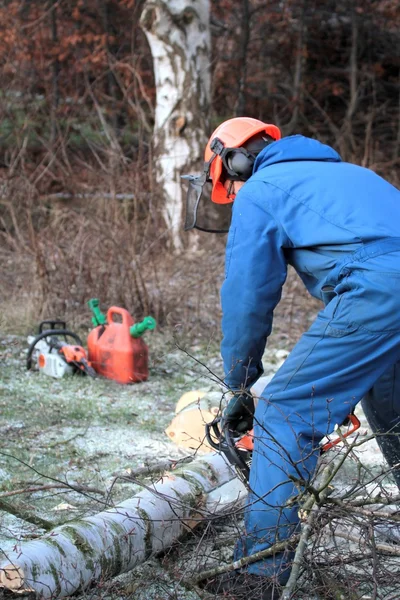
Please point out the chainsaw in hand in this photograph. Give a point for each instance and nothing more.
(238, 448)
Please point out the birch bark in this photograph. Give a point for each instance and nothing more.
(73, 556)
(179, 37)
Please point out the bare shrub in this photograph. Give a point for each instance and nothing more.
(57, 253)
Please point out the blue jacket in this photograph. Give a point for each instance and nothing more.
(302, 206)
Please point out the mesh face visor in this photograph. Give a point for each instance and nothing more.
(201, 213)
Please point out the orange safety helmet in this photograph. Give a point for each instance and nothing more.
(232, 134)
(230, 154)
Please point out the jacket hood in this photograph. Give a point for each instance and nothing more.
(294, 148)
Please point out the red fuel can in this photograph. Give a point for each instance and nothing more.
(117, 350)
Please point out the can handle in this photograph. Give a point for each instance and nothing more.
(122, 312)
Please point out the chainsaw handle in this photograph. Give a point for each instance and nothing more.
(214, 428)
(226, 443)
(46, 325)
(235, 456)
(355, 424)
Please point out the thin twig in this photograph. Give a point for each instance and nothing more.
(382, 548)
(55, 479)
(364, 512)
(44, 488)
(311, 507)
(74, 437)
(246, 560)
(146, 471)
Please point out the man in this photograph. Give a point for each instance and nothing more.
(296, 202)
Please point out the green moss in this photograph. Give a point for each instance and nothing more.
(117, 562)
(52, 542)
(55, 574)
(203, 469)
(78, 540)
(35, 570)
(112, 565)
(192, 496)
(148, 545)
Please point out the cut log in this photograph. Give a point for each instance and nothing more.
(73, 556)
(193, 411)
(196, 408)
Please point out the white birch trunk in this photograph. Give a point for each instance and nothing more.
(179, 37)
(116, 540)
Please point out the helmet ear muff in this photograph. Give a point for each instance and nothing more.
(242, 160)
(241, 163)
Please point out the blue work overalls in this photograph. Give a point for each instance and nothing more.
(338, 225)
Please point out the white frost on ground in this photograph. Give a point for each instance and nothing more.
(94, 429)
(137, 446)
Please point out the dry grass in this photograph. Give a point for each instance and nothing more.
(56, 255)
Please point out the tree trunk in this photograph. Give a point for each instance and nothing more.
(55, 98)
(353, 66)
(179, 39)
(240, 104)
(73, 556)
(297, 94)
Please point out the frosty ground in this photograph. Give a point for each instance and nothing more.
(86, 432)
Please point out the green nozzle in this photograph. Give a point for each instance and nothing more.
(139, 329)
(98, 318)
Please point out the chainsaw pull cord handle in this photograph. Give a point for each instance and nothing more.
(49, 333)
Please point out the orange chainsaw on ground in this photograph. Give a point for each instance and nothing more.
(51, 353)
(238, 448)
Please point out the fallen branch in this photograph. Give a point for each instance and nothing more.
(378, 499)
(24, 514)
(310, 508)
(382, 548)
(54, 486)
(133, 475)
(157, 467)
(246, 560)
(358, 510)
(114, 541)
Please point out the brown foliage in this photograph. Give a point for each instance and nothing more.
(76, 118)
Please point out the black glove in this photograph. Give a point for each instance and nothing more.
(239, 413)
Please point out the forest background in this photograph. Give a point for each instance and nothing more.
(80, 212)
